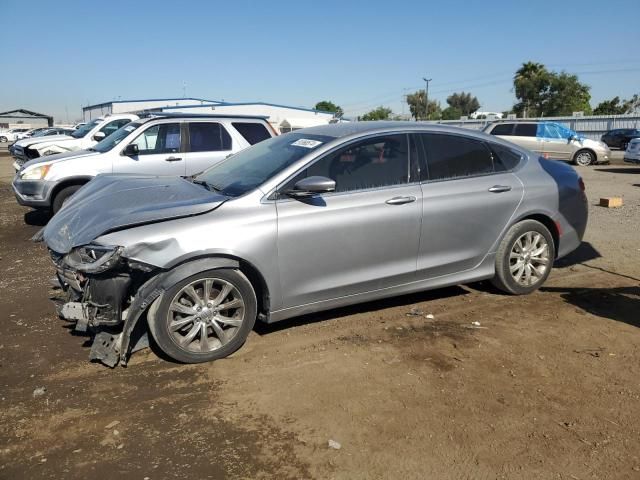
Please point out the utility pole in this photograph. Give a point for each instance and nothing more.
(426, 97)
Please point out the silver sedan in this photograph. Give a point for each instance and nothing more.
(311, 220)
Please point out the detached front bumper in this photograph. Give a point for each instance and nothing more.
(33, 193)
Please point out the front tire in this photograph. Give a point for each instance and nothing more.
(584, 158)
(62, 196)
(524, 258)
(4, 139)
(205, 317)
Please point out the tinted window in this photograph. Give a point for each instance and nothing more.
(111, 127)
(453, 156)
(252, 132)
(208, 137)
(375, 162)
(504, 158)
(162, 138)
(502, 129)
(526, 130)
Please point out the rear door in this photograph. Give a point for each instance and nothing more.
(468, 198)
(159, 152)
(526, 135)
(207, 144)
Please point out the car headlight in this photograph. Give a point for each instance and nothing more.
(37, 172)
(93, 258)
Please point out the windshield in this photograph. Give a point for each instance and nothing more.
(250, 168)
(83, 130)
(115, 138)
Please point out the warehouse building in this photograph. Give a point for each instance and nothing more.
(21, 118)
(126, 106)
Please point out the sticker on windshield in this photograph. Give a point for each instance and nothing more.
(129, 128)
(306, 143)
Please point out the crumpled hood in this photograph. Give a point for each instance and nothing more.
(59, 157)
(25, 142)
(114, 202)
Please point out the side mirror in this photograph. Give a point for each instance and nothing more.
(99, 136)
(310, 186)
(130, 150)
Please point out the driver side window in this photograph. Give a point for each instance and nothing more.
(376, 162)
(162, 138)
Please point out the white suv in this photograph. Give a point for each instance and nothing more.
(158, 144)
(11, 135)
(84, 137)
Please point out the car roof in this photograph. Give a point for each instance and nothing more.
(147, 116)
(338, 130)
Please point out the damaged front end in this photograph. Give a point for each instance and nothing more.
(106, 295)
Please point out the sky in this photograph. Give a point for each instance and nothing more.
(59, 56)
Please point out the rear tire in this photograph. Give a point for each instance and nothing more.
(62, 196)
(224, 316)
(624, 145)
(524, 258)
(584, 158)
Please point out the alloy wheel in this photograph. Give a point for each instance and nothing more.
(584, 159)
(205, 315)
(529, 258)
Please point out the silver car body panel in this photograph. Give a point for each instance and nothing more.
(349, 247)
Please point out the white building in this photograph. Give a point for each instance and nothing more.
(282, 117)
(126, 106)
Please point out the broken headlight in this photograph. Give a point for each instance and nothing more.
(94, 258)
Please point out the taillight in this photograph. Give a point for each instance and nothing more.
(581, 183)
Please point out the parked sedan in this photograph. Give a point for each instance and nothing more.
(632, 153)
(312, 220)
(620, 137)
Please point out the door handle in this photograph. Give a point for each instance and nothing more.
(172, 159)
(400, 200)
(500, 188)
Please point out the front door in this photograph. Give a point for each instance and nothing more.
(362, 237)
(557, 145)
(468, 199)
(159, 152)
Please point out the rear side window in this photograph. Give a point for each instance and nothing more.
(208, 137)
(504, 158)
(526, 130)
(502, 129)
(453, 156)
(252, 132)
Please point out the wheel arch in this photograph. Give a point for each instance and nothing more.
(548, 222)
(68, 182)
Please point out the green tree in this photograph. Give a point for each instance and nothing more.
(380, 113)
(566, 95)
(451, 113)
(615, 106)
(531, 84)
(463, 102)
(417, 107)
(328, 106)
(541, 92)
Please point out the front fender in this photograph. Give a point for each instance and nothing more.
(108, 348)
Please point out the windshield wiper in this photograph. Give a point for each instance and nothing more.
(209, 186)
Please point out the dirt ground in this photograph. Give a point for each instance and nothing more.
(546, 386)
